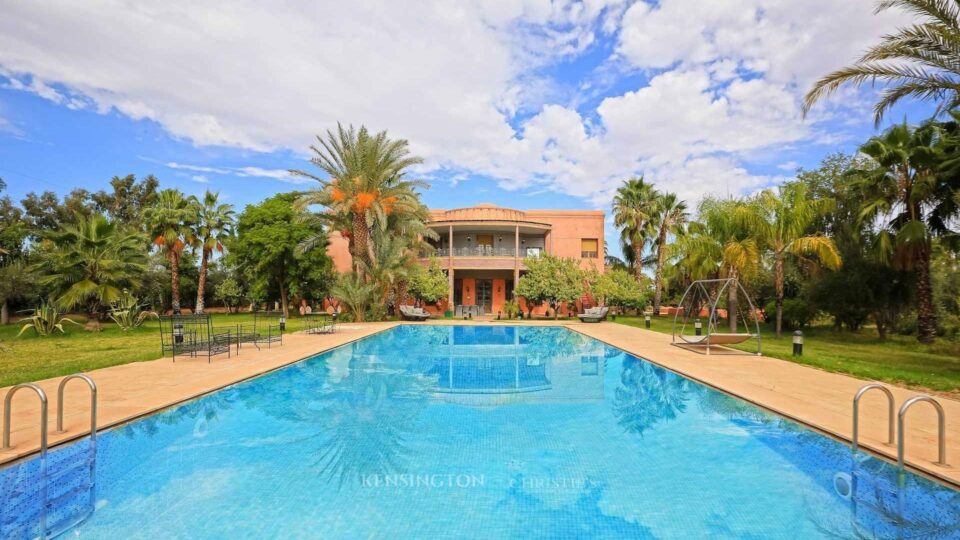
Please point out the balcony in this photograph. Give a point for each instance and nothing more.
(484, 251)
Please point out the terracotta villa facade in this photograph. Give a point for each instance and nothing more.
(482, 248)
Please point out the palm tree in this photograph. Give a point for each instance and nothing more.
(366, 182)
(169, 222)
(920, 61)
(669, 217)
(718, 245)
(390, 267)
(355, 293)
(214, 225)
(780, 221)
(91, 261)
(902, 199)
(633, 208)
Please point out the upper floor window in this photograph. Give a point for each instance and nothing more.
(588, 248)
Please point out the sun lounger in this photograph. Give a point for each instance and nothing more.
(594, 315)
(411, 313)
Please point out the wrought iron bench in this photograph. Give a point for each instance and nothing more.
(320, 323)
(193, 335)
(267, 327)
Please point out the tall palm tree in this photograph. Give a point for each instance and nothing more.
(780, 221)
(214, 225)
(920, 61)
(633, 208)
(366, 182)
(169, 222)
(902, 200)
(719, 245)
(90, 262)
(669, 217)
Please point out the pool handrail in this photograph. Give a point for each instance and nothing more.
(856, 413)
(93, 402)
(941, 428)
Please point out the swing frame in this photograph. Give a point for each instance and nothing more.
(713, 341)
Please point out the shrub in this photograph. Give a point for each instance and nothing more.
(797, 313)
(46, 320)
(128, 313)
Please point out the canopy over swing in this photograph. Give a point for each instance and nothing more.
(731, 317)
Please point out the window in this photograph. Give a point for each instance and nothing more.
(588, 248)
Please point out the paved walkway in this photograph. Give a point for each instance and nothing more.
(817, 398)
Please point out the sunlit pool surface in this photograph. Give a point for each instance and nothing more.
(473, 432)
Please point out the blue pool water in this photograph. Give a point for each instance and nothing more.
(471, 432)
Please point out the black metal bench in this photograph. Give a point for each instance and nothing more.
(193, 335)
(267, 327)
(319, 323)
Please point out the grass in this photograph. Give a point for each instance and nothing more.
(900, 359)
(32, 358)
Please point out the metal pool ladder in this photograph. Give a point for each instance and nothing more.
(7, 402)
(901, 414)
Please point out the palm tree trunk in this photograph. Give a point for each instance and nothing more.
(732, 303)
(637, 264)
(202, 282)
(174, 259)
(361, 237)
(658, 278)
(778, 284)
(5, 312)
(926, 315)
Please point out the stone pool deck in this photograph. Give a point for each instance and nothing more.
(817, 398)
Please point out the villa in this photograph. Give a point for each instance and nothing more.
(483, 247)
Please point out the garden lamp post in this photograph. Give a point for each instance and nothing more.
(698, 327)
(798, 343)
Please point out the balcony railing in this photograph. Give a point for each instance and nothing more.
(485, 251)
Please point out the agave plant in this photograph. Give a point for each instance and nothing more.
(46, 320)
(128, 313)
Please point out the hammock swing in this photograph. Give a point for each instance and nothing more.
(712, 298)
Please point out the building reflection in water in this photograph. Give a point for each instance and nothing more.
(541, 363)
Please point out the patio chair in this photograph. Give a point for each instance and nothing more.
(594, 315)
(411, 313)
(193, 335)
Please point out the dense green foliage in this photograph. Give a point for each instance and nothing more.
(429, 284)
(554, 280)
(265, 252)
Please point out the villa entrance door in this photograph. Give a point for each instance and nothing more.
(485, 294)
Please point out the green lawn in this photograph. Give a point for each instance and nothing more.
(31, 358)
(899, 360)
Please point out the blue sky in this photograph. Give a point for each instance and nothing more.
(527, 104)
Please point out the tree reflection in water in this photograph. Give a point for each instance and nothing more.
(362, 421)
(648, 395)
(206, 409)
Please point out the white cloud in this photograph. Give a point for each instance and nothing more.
(724, 80)
(201, 179)
(8, 127)
(282, 175)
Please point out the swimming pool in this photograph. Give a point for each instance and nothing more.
(473, 432)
